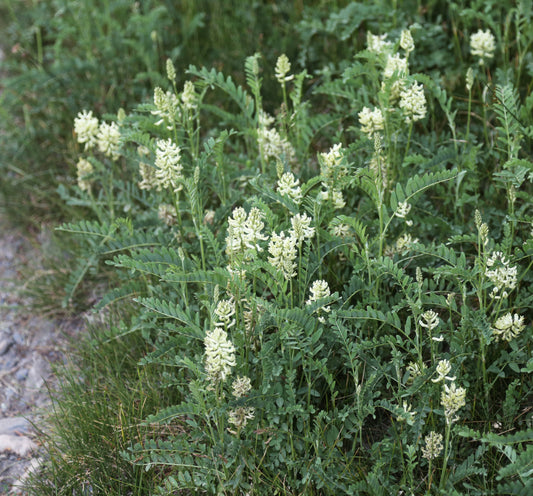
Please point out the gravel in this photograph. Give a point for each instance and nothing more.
(29, 344)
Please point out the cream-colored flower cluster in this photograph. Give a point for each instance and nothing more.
(90, 133)
(283, 247)
(433, 446)
(407, 413)
(289, 186)
(341, 230)
(413, 103)
(239, 416)
(501, 274)
(406, 41)
(415, 370)
(148, 180)
(394, 74)
(108, 140)
(271, 144)
(482, 45)
(378, 43)
(167, 213)
(429, 319)
(86, 129)
(404, 242)
(452, 399)
(443, 369)
(319, 289)
(225, 311)
(84, 170)
(396, 65)
(331, 166)
(171, 70)
(219, 355)
(410, 95)
(334, 196)
(219, 360)
(168, 168)
(332, 171)
(241, 386)
(104, 136)
(283, 252)
(402, 210)
(508, 326)
(244, 233)
(371, 121)
(283, 67)
(301, 228)
(189, 98)
(166, 107)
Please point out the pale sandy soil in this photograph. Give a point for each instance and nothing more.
(29, 344)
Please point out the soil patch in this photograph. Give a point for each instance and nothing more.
(29, 344)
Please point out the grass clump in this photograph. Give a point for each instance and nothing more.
(97, 413)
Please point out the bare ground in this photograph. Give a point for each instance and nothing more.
(29, 344)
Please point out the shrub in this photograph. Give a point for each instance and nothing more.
(339, 321)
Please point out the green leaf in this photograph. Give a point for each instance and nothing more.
(417, 184)
(173, 311)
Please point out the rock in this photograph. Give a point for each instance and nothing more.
(5, 344)
(8, 362)
(33, 467)
(21, 445)
(21, 374)
(14, 425)
(37, 374)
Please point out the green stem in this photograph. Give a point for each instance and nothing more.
(184, 286)
(430, 477)
(408, 139)
(200, 239)
(292, 294)
(485, 128)
(484, 369)
(301, 294)
(419, 346)
(446, 454)
(110, 202)
(224, 190)
(94, 205)
(468, 117)
(177, 207)
(316, 213)
(382, 228)
(286, 113)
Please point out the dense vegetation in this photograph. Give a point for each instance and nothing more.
(314, 228)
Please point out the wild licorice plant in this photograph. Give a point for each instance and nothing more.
(329, 323)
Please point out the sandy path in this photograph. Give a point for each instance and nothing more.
(28, 346)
